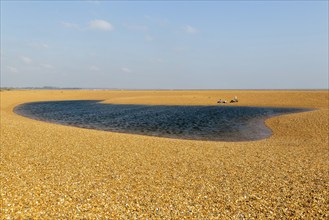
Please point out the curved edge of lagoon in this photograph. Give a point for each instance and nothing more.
(243, 134)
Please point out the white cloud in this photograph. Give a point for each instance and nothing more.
(190, 30)
(101, 25)
(149, 38)
(47, 66)
(26, 60)
(97, 24)
(126, 70)
(39, 45)
(71, 25)
(12, 69)
(94, 68)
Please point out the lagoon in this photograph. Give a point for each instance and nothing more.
(213, 123)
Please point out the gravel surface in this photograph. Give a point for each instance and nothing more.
(51, 171)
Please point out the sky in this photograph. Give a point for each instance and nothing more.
(165, 45)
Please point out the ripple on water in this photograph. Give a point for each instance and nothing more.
(218, 123)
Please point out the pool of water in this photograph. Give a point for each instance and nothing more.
(217, 123)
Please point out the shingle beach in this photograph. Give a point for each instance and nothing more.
(51, 171)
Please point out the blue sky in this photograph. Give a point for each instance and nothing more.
(165, 45)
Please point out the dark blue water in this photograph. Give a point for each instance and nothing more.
(220, 123)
